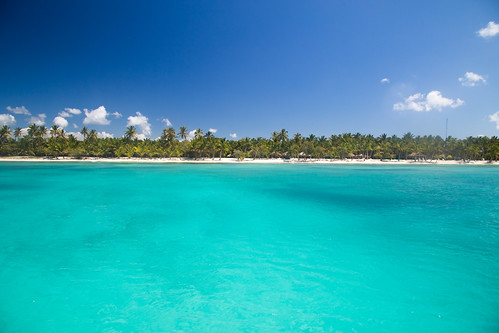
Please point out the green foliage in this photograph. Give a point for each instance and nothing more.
(40, 141)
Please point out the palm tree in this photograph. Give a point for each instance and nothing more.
(92, 135)
(62, 133)
(18, 132)
(32, 129)
(182, 132)
(130, 132)
(84, 132)
(42, 131)
(4, 133)
(168, 134)
(164, 134)
(283, 135)
(54, 131)
(198, 133)
(208, 135)
(297, 138)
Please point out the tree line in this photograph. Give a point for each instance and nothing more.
(41, 141)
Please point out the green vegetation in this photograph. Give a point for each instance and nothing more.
(40, 141)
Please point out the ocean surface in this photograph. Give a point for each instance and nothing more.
(253, 248)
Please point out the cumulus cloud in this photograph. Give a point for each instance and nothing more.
(24, 131)
(167, 122)
(60, 122)
(7, 119)
(471, 79)
(433, 100)
(75, 126)
(96, 117)
(141, 122)
(140, 137)
(191, 134)
(38, 120)
(233, 135)
(385, 80)
(78, 136)
(494, 118)
(73, 111)
(490, 30)
(104, 135)
(212, 130)
(69, 112)
(117, 115)
(18, 110)
(65, 114)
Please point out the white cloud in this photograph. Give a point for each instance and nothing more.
(385, 80)
(233, 135)
(60, 122)
(97, 116)
(73, 110)
(77, 135)
(18, 110)
(117, 115)
(433, 100)
(75, 126)
(38, 120)
(7, 119)
(104, 135)
(65, 114)
(166, 121)
(190, 136)
(494, 118)
(140, 137)
(212, 130)
(140, 121)
(491, 30)
(471, 79)
(69, 112)
(24, 131)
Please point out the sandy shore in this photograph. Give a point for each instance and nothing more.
(245, 161)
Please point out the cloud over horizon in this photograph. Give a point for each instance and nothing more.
(60, 122)
(141, 122)
(38, 120)
(7, 119)
(432, 101)
(494, 118)
(96, 117)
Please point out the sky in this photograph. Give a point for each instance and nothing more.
(248, 68)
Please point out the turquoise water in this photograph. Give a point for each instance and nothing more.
(226, 248)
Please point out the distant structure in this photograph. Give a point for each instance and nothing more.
(446, 126)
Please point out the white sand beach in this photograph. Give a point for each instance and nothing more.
(246, 161)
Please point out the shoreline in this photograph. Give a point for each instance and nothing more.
(173, 160)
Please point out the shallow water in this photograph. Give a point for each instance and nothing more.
(224, 248)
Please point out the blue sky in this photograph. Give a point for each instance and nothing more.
(252, 67)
